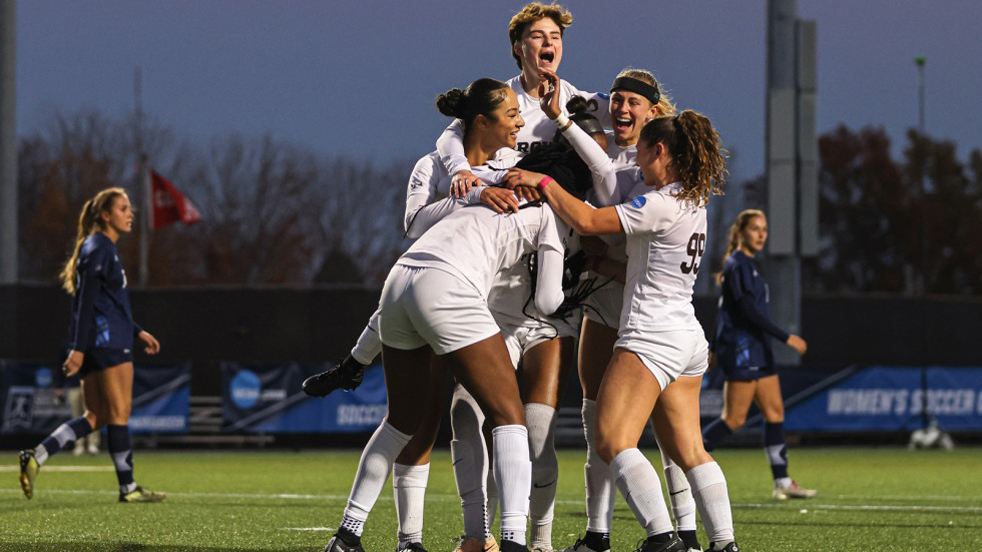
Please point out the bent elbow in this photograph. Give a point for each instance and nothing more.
(548, 303)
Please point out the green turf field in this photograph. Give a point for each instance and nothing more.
(869, 499)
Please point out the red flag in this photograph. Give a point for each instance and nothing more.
(170, 205)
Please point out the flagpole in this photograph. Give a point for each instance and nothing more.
(142, 181)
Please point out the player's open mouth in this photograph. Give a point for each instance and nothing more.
(547, 57)
(623, 124)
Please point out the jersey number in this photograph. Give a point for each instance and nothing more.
(696, 247)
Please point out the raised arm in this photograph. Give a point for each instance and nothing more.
(585, 219)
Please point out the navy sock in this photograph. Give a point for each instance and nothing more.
(65, 434)
(690, 540)
(122, 455)
(775, 448)
(714, 433)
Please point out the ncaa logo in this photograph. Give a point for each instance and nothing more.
(639, 201)
(245, 389)
(42, 377)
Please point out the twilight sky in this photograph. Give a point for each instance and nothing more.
(359, 78)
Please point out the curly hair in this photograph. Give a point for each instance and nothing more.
(532, 13)
(696, 150)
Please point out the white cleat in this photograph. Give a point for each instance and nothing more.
(793, 491)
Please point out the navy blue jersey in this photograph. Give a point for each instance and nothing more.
(742, 325)
(101, 315)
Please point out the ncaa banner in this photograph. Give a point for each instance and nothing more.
(34, 401)
(269, 399)
(891, 399)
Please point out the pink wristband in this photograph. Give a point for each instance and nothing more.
(543, 183)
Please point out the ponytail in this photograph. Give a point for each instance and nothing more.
(733, 237)
(696, 150)
(481, 97)
(88, 222)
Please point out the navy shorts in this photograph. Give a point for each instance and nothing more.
(748, 373)
(97, 359)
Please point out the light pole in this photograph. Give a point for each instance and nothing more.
(920, 61)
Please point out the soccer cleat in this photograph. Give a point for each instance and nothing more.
(541, 549)
(793, 491)
(512, 546)
(139, 494)
(337, 543)
(477, 545)
(29, 469)
(675, 544)
(730, 547)
(92, 448)
(690, 541)
(346, 375)
(411, 547)
(581, 546)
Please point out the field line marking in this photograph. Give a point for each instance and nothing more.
(747, 505)
(863, 507)
(50, 469)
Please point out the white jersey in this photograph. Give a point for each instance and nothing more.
(665, 242)
(538, 128)
(429, 183)
(476, 243)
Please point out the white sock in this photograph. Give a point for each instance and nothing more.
(40, 454)
(600, 489)
(409, 488)
(491, 488)
(638, 482)
(540, 419)
(679, 494)
(513, 472)
(373, 469)
(709, 489)
(369, 343)
(470, 462)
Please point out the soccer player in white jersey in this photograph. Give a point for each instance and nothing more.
(660, 341)
(492, 120)
(635, 99)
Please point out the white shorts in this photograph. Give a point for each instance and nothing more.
(603, 306)
(669, 355)
(520, 338)
(427, 306)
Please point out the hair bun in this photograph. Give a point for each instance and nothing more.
(579, 104)
(452, 103)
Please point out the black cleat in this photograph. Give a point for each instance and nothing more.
(512, 546)
(339, 543)
(730, 547)
(346, 375)
(411, 547)
(690, 540)
(674, 544)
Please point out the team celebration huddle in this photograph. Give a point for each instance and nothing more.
(553, 229)
(546, 218)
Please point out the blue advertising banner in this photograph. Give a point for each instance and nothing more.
(892, 398)
(269, 398)
(34, 402)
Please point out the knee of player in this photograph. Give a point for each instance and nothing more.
(735, 421)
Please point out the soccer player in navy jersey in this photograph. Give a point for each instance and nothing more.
(742, 349)
(101, 350)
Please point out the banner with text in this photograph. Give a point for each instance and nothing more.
(269, 398)
(34, 400)
(892, 398)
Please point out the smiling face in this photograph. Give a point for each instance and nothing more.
(502, 125)
(629, 111)
(753, 237)
(119, 219)
(540, 47)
